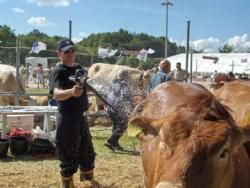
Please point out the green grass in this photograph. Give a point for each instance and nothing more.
(113, 169)
(36, 90)
(100, 135)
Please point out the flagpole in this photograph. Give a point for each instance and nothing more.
(167, 3)
(70, 29)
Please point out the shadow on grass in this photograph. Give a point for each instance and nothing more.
(100, 137)
(128, 152)
(27, 157)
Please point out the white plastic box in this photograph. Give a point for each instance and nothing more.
(23, 121)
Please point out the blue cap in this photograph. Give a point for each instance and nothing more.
(65, 44)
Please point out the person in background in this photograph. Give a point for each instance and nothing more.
(231, 75)
(179, 74)
(40, 79)
(73, 138)
(214, 75)
(161, 75)
(30, 71)
(119, 111)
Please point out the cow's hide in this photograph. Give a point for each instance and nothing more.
(236, 96)
(102, 75)
(8, 83)
(189, 140)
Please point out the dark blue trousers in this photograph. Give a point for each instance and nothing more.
(74, 144)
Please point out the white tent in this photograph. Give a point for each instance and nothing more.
(209, 62)
(35, 60)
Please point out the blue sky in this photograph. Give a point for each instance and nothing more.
(213, 22)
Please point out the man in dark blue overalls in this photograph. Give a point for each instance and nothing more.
(73, 139)
(120, 99)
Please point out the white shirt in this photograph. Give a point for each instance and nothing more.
(179, 75)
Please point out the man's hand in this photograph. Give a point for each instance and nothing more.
(77, 91)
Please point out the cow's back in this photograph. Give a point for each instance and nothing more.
(8, 83)
(103, 74)
(175, 95)
(236, 96)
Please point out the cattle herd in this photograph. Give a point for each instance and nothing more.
(189, 136)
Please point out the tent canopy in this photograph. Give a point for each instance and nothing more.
(209, 62)
(34, 61)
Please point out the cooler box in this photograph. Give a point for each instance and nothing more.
(23, 121)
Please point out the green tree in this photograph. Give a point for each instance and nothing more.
(121, 39)
(226, 48)
(132, 62)
(122, 60)
(149, 64)
(8, 39)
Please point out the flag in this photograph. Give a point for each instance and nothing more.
(37, 47)
(106, 52)
(142, 56)
(151, 51)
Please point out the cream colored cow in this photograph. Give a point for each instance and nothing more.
(8, 83)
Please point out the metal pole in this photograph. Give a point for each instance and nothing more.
(167, 3)
(191, 67)
(187, 47)
(70, 29)
(166, 39)
(17, 71)
(232, 66)
(92, 59)
(196, 64)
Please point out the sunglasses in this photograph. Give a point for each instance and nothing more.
(70, 51)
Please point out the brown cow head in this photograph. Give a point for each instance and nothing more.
(190, 148)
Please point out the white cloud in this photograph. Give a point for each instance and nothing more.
(211, 44)
(207, 45)
(240, 43)
(38, 21)
(84, 34)
(18, 10)
(133, 8)
(55, 3)
(80, 36)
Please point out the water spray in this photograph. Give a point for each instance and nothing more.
(82, 79)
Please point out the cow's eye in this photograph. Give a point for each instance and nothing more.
(224, 154)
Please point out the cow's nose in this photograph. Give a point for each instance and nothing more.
(169, 185)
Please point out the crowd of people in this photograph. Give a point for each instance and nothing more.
(36, 75)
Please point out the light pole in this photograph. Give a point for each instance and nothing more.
(167, 3)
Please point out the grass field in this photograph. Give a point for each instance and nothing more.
(36, 90)
(119, 169)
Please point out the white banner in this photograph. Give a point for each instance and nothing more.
(37, 47)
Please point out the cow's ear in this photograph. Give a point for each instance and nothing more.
(246, 133)
(141, 124)
(241, 136)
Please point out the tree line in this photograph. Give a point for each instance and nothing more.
(122, 40)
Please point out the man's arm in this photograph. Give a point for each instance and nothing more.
(62, 95)
(171, 74)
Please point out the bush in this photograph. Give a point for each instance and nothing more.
(149, 64)
(132, 62)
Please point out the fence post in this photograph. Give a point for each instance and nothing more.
(17, 72)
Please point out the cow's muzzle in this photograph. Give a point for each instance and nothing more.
(169, 185)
